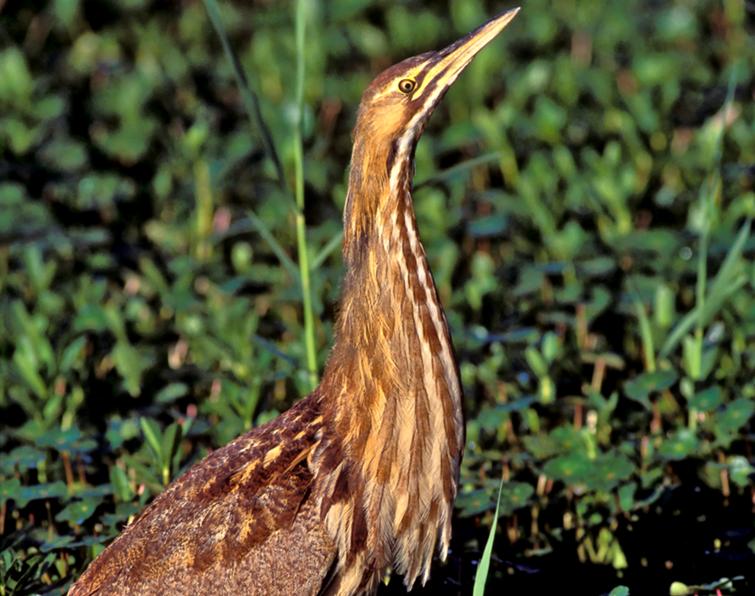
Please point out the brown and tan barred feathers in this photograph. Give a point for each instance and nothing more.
(359, 477)
(223, 518)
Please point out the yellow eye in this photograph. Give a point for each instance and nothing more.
(406, 85)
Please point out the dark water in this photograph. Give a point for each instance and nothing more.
(691, 535)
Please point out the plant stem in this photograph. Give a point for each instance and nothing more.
(301, 228)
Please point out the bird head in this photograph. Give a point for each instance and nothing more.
(397, 104)
(392, 115)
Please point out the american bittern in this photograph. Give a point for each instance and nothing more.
(361, 475)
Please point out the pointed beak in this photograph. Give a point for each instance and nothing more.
(452, 60)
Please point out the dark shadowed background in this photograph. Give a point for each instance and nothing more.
(584, 193)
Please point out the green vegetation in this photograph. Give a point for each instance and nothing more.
(169, 217)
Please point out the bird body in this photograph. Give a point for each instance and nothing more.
(229, 523)
(360, 476)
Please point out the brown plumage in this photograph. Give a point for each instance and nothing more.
(360, 476)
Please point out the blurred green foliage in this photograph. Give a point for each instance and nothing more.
(584, 194)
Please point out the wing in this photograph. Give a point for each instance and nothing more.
(222, 510)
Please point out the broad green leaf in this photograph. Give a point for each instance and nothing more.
(79, 511)
(35, 492)
(708, 399)
(679, 445)
(640, 388)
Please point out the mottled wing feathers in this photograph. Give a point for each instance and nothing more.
(225, 506)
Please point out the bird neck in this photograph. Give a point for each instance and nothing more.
(391, 387)
(391, 338)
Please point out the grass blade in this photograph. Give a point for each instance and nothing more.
(709, 301)
(248, 96)
(646, 334)
(727, 270)
(481, 577)
(726, 283)
(275, 246)
(301, 227)
(252, 223)
(152, 437)
(252, 108)
(333, 244)
(459, 168)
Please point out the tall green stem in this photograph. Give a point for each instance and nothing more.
(301, 228)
